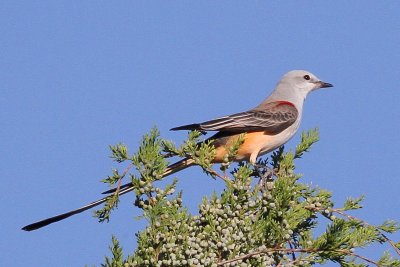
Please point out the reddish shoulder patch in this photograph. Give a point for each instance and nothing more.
(282, 102)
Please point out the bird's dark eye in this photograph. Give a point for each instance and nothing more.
(306, 77)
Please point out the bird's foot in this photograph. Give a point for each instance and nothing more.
(265, 173)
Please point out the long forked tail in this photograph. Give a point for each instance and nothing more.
(171, 169)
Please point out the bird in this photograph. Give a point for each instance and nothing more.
(265, 127)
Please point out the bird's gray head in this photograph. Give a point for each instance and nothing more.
(303, 80)
(297, 84)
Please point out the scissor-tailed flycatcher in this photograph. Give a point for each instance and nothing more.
(267, 127)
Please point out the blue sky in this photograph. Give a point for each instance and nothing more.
(77, 77)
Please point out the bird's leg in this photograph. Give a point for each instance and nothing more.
(264, 172)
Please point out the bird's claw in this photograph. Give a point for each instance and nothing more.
(264, 173)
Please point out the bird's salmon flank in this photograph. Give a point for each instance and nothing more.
(266, 127)
(249, 149)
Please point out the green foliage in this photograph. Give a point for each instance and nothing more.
(389, 226)
(117, 255)
(264, 217)
(119, 153)
(307, 140)
(353, 204)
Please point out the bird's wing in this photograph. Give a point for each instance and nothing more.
(273, 117)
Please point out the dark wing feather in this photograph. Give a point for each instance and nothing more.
(272, 117)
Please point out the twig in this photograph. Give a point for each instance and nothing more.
(297, 250)
(215, 173)
(121, 177)
(350, 217)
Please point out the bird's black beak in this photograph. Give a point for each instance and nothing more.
(324, 84)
